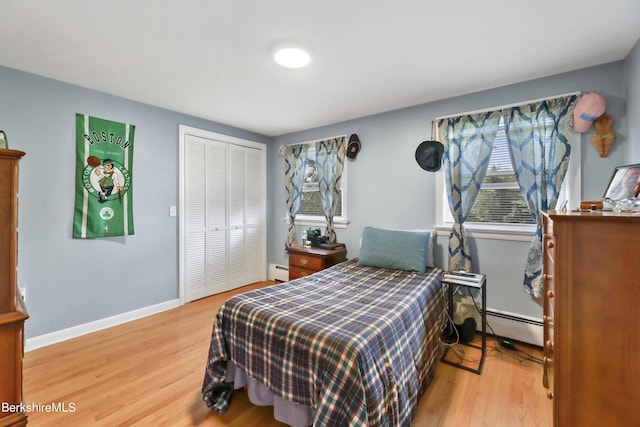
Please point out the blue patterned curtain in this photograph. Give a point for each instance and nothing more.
(295, 159)
(330, 160)
(539, 140)
(468, 142)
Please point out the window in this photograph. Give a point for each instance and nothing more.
(500, 206)
(310, 212)
(500, 200)
(311, 204)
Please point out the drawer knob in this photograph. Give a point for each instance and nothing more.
(549, 395)
(550, 294)
(548, 345)
(304, 261)
(550, 244)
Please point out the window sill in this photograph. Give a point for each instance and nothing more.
(523, 233)
(319, 222)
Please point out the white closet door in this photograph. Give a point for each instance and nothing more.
(216, 202)
(222, 231)
(253, 208)
(195, 238)
(206, 217)
(236, 216)
(246, 237)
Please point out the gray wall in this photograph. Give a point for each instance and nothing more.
(71, 281)
(386, 187)
(632, 80)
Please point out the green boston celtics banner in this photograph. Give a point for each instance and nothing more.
(104, 157)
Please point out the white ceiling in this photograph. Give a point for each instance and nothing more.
(212, 58)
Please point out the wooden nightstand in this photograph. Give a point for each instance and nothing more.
(308, 260)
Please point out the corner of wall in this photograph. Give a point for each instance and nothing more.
(632, 103)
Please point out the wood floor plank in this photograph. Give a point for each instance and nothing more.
(149, 372)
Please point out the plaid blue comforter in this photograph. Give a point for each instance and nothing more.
(358, 344)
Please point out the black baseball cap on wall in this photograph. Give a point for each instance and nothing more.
(429, 155)
(353, 147)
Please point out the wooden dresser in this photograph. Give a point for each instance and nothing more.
(12, 309)
(308, 260)
(592, 317)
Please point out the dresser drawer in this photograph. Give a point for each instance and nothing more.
(307, 262)
(304, 261)
(297, 272)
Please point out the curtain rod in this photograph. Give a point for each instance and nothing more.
(316, 140)
(515, 104)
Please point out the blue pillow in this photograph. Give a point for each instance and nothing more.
(397, 249)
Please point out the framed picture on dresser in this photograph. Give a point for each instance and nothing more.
(624, 183)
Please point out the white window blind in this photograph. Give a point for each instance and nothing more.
(500, 200)
(500, 205)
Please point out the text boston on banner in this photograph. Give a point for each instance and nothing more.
(104, 158)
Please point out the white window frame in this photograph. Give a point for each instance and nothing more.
(521, 232)
(340, 221)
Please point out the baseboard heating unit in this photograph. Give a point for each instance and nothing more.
(278, 272)
(515, 326)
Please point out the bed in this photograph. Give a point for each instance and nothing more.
(355, 344)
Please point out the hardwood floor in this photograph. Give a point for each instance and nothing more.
(149, 372)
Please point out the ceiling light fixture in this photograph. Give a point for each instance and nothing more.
(292, 57)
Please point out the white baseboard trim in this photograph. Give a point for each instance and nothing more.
(515, 326)
(97, 325)
(504, 324)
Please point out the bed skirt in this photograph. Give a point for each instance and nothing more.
(285, 411)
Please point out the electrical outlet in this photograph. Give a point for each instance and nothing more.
(23, 293)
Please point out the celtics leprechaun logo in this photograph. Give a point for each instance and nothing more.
(106, 179)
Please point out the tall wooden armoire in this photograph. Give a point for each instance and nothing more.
(13, 312)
